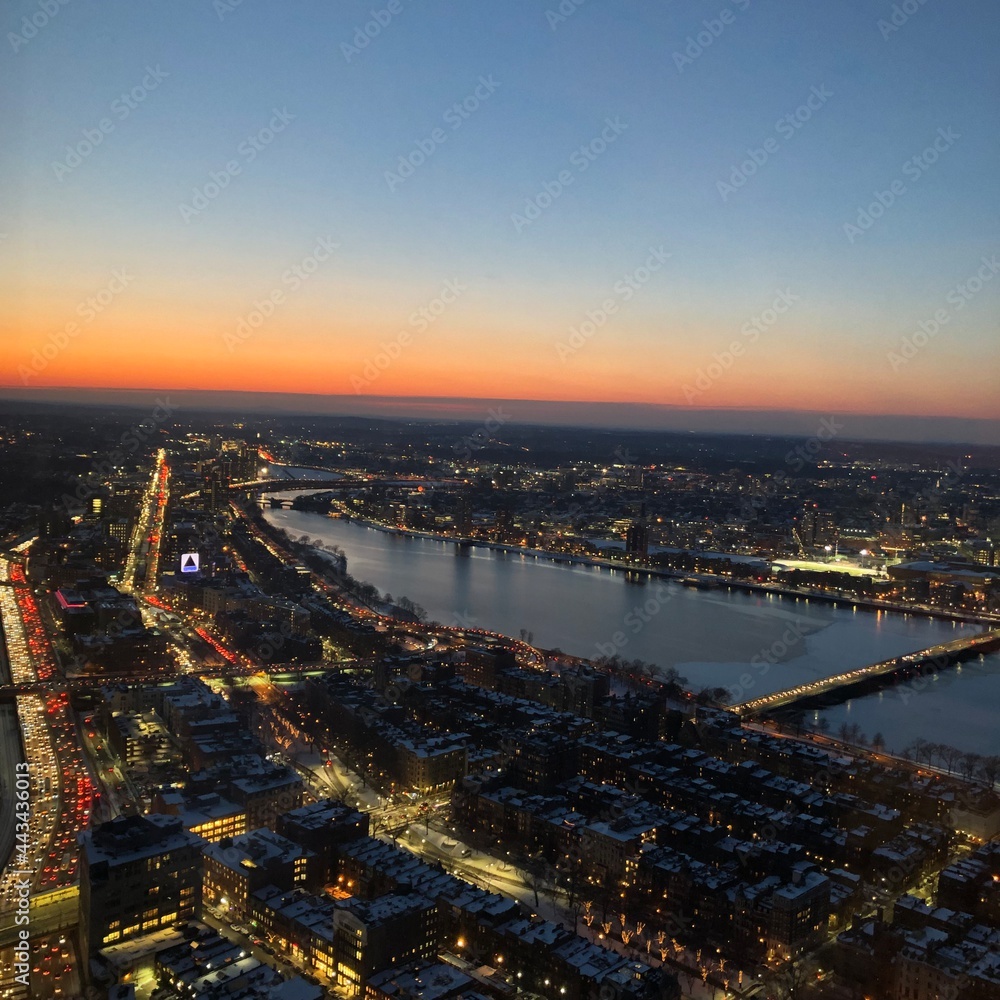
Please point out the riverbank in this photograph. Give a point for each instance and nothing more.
(664, 573)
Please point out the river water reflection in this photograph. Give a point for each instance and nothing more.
(713, 637)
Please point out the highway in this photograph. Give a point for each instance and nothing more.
(11, 747)
(60, 788)
(28, 741)
(11, 754)
(142, 562)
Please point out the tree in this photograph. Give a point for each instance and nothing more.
(797, 721)
(791, 980)
(411, 608)
(670, 677)
(969, 764)
(878, 743)
(950, 756)
(989, 769)
(537, 875)
(717, 696)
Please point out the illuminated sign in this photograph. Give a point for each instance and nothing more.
(189, 562)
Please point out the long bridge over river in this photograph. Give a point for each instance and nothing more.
(318, 485)
(865, 680)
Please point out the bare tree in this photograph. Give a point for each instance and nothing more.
(791, 980)
(989, 769)
(950, 756)
(537, 875)
(969, 764)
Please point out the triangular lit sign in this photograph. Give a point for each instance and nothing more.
(189, 562)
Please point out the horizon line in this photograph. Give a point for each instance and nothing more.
(594, 414)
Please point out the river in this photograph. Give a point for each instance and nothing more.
(959, 707)
(748, 643)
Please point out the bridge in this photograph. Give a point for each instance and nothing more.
(345, 483)
(864, 680)
(269, 485)
(49, 912)
(277, 671)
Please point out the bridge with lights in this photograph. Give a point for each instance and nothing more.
(864, 680)
(285, 671)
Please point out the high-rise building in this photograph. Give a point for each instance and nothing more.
(237, 867)
(373, 935)
(266, 794)
(323, 827)
(481, 665)
(504, 525)
(637, 539)
(54, 522)
(138, 874)
(215, 486)
(817, 527)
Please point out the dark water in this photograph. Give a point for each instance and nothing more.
(714, 638)
(711, 636)
(960, 707)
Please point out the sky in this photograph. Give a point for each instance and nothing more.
(742, 205)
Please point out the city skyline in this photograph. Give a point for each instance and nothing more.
(731, 210)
